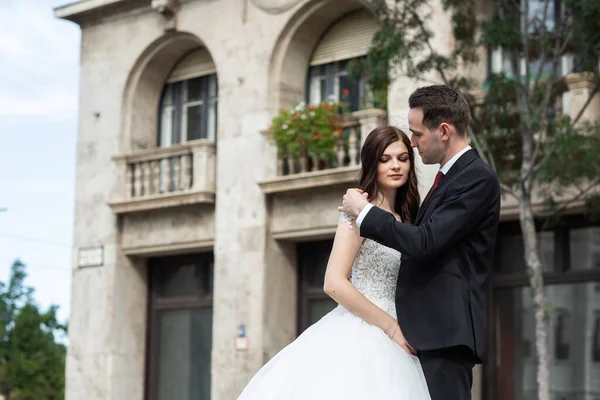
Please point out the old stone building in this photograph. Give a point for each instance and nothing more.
(199, 255)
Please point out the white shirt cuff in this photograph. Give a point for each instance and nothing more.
(363, 214)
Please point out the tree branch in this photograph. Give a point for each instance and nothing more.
(564, 205)
(483, 151)
(431, 50)
(556, 54)
(524, 16)
(537, 166)
(508, 190)
(544, 53)
(587, 103)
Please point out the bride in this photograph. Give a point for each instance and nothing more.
(358, 350)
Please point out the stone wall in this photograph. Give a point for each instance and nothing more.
(261, 49)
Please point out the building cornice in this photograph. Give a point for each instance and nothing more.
(87, 11)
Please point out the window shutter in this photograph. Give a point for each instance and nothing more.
(350, 37)
(195, 64)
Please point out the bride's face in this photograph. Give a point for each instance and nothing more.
(394, 166)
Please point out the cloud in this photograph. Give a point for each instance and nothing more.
(40, 62)
(39, 74)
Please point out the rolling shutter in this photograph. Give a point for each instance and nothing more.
(195, 64)
(348, 38)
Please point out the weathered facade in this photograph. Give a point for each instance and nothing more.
(191, 236)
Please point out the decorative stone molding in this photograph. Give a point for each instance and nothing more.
(169, 249)
(310, 180)
(168, 9)
(296, 235)
(581, 80)
(90, 11)
(274, 6)
(581, 87)
(161, 201)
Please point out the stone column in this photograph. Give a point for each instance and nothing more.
(580, 87)
(124, 188)
(254, 277)
(369, 120)
(203, 156)
(107, 325)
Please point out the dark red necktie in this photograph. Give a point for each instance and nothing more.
(438, 178)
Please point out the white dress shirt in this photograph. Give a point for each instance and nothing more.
(445, 168)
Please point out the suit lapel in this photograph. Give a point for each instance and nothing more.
(460, 164)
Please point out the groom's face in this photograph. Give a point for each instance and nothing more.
(428, 143)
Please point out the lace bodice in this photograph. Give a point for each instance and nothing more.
(375, 272)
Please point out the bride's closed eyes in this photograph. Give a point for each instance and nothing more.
(401, 158)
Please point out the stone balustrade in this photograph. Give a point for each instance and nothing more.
(308, 173)
(356, 127)
(166, 176)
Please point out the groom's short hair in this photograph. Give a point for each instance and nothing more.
(441, 103)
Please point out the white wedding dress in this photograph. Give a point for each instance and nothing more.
(343, 357)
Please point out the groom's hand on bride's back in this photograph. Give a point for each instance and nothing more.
(353, 202)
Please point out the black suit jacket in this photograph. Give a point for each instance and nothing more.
(446, 256)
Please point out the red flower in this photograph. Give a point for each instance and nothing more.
(294, 117)
(346, 92)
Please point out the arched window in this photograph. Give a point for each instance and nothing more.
(347, 39)
(188, 105)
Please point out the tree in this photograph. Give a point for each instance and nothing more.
(32, 362)
(535, 149)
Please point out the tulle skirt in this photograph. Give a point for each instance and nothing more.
(340, 357)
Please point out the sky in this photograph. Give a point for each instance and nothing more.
(39, 74)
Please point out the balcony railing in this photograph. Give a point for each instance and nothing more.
(166, 177)
(347, 152)
(310, 171)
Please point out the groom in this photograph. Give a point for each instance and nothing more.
(448, 250)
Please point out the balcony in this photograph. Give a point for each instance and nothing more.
(163, 177)
(310, 172)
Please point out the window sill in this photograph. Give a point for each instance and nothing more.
(309, 180)
(161, 201)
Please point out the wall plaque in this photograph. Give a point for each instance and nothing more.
(90, 257)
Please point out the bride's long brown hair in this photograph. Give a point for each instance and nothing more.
(407, 198)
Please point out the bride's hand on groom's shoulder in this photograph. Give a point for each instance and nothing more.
(395, 333)
(353, 202)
